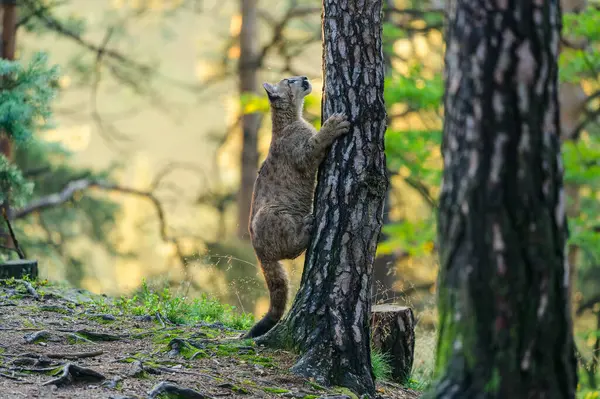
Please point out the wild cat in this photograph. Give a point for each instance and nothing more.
(281, 218)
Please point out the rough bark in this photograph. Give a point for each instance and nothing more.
(7, 51)
(393, 332)
(328, 323)
(505, 326)
(248, 67)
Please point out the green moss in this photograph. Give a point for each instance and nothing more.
(316, 386)
(239, 389)
(261, 360)
(275, 390)
(345, 391)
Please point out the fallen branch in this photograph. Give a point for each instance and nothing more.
(73, 356)
(94, 336)
(75, 186)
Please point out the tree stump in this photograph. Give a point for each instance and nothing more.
(393, 333)
(19, 268)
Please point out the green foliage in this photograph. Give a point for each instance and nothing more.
(40, 168)
(26, 94)
(12, 183)
(415, 237)
(180, 310)
(412, 150)
(409, 154)
(414, 91)
(251, 103)
(581, 62)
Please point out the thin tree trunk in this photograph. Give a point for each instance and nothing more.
(572, 101)
(250, 122)
(384, 267)
(7, 51)
(329, 320)
(505, 326)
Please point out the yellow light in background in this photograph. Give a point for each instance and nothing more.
(235, 26)
(421, 46)
(418, 24)
(234, 52)
(436, 38)
(75, 138)
(117, 4)
(404, 171)
(202, 70)
(262, 306)
(64, 81)
(403, 47)
(586, 191)
(156, 5)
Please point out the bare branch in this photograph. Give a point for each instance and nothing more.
(75, 186)
(587, 305)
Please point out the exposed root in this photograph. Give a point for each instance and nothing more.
(10, 377)
(37, 336)
(175, 391)
(138, 370)
(28, 287)
(73, 373)
(96, 336)
(73, 356)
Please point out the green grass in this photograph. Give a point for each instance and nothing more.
(181, 310)
(380, 363)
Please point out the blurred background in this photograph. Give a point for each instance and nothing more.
(145, 171)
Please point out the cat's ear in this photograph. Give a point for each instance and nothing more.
(271, 91)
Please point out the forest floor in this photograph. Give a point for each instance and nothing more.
(58, 342)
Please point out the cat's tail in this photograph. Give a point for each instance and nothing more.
(278, 285)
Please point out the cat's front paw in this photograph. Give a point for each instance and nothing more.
(337, 125)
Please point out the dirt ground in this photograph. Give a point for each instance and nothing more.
(59, 346)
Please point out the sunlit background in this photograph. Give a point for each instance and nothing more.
(150, 100)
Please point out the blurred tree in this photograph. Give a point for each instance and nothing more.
(7, 52)
(248, 81)
(329, 319)
(505, 327)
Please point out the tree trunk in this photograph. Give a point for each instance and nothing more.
(7, 51)
(572, 101)
(393, 330)
(250, 122)
(384, 267)
(329, 319)
(505, 326)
